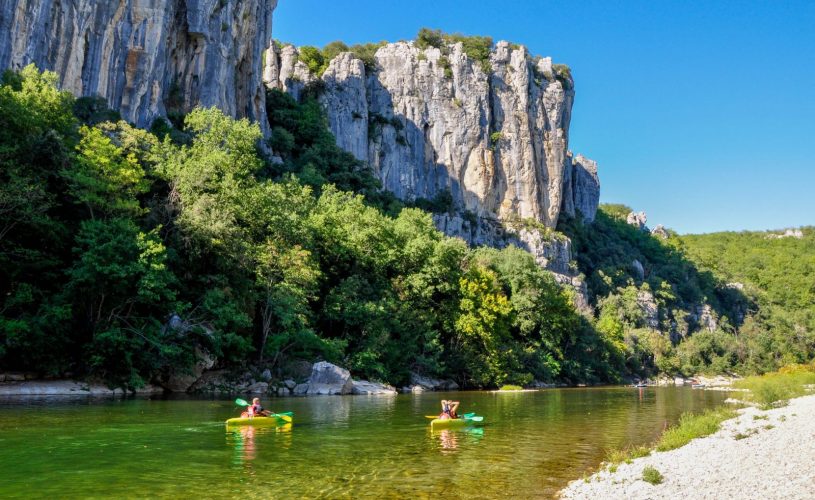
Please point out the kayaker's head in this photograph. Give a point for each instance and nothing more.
(256, 401)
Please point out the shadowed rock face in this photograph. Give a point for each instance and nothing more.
(145, 56)
(496, 139)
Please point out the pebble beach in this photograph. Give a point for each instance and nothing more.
(761, 454)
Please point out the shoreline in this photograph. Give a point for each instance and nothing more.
(762, 454)
(33, 387)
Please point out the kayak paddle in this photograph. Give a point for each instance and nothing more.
(285, 416)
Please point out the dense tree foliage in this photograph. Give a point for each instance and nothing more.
(759, 287)
(778, 275)
(124, 250)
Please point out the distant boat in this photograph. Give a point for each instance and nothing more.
(698, 386)
(640, 384)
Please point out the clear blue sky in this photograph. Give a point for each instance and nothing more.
(700, 113)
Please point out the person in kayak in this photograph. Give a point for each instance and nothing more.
(255, 409)
(448, 409)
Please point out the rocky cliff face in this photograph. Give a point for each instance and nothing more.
(429, 121)
(146, 56)
(495, 136)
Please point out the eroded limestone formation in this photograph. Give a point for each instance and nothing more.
(429, 121)
(146, 57)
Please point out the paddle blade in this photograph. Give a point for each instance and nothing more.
(468, 415)
(285, 418)
(431, 416)
(241, 402)
(475, 419)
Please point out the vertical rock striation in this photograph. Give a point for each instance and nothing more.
(428, 121)
(146, 57)
(493, 133)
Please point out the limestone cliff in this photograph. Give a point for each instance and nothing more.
(145, 56)
(492, 133)
(429, 120)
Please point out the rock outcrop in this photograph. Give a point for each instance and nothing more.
(328, 379)
(495, 136)
(430, 121)
(183, 381)
(581, 191)
(366, 388)
(638, 220)
(660, 232)
(146, 57)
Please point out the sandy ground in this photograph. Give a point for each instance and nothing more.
(775, 460)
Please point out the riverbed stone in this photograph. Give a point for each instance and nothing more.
(258, 388)
(15, 377)
(370, 388)
(67, 388)
(283, 391)
(426, 383)
(449, 385)
(327, 379)
(179, 381)
(289, 383)
(300, 389)
(266, 376)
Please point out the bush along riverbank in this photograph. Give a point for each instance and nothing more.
(763, 450)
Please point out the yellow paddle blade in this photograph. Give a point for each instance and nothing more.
(431, 416)
(285, 418)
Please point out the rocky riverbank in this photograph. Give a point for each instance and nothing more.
(759, 454)
(23, 387)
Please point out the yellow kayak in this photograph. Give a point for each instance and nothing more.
(257, 421)
(448, 423)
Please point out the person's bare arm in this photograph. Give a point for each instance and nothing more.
(454, 407)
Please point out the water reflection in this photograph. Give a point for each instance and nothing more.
(344, 447)
(449, 440)
(243, 439)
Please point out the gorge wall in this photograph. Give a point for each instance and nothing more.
(429, 120)
(146, 57)
(434, 120)
(493, 133)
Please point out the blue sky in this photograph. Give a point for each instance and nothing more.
(700, 113)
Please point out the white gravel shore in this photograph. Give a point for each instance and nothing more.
(776, 460)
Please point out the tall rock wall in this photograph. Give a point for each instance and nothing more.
(145, 56)
(431, 120)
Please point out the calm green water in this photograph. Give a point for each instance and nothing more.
(339, 447)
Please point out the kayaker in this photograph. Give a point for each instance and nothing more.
(256, 409)
(448, 409)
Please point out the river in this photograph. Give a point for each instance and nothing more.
(530, 446)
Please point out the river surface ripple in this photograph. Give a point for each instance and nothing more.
(530, 446)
